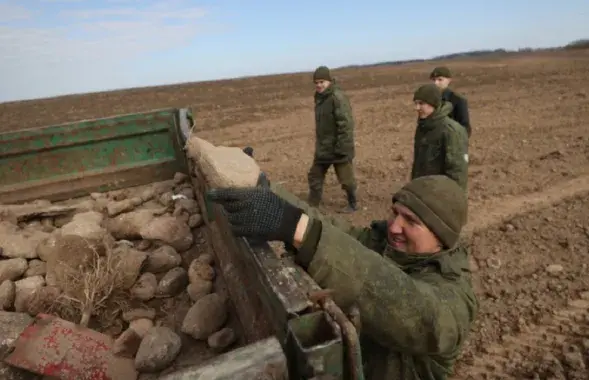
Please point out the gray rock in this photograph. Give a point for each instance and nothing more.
(173, 282)
(12, 373)
(162, 260)
(205, 317)
(134, 314)
(12, 269)
(36, 268)
(24, 289)
(222, 339)
(157, 350)
(11, 326)
(144, 288)
(7, 294)
(198, 289)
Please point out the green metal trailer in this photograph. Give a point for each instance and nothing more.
(289, 333)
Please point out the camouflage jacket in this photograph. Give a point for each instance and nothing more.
(416, 311)
(440, 146)
(334, 126)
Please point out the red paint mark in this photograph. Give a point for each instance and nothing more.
(54, 347)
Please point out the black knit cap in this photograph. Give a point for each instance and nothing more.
(430, 94)
(322, 73)
(439, 202)
(440, 71)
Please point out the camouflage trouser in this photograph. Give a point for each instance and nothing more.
(316, 177)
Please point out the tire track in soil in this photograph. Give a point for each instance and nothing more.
(496, 211)
(533, 321)
(557, 349)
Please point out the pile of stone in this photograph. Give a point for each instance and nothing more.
(146, 232)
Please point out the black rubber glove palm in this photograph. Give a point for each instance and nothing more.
(257, 212)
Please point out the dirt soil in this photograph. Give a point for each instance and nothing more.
(529, 149)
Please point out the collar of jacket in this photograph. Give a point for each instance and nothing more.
(451, 263)
(439, 113)
(328, 91)
(447, 94)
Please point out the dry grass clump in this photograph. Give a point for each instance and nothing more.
(92, 288)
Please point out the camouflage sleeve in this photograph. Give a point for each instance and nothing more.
(456, 157)
(345, 124)
(314, 213)
(398, 311)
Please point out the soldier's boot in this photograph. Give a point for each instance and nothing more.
(314, 198)
(352, 201)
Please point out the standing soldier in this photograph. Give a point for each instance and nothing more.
(440, 145)
(334, 139)
(442, 77)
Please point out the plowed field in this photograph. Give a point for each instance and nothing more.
(528, 186)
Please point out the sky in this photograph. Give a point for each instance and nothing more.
(57, 47)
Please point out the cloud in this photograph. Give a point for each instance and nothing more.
(64, 1)
(80, 48)
(12, 12)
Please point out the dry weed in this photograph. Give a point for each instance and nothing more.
(93, 289)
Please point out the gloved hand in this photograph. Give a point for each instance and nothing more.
(257, 212)
(249, 151)
(262, 179)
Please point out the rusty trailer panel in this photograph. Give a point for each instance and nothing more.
(69, 160)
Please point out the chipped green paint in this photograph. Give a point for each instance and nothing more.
(92, 147)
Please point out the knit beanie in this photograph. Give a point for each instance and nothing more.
(322, 73)
(430, 94)
(439, 202)
(440, 71)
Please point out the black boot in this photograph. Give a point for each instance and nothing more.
(314, 198)
(352, 202)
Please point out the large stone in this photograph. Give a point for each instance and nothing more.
(11, 326)
(170, 230)
(86, 225)
(7, 294)
(18, 242)
(24, 289)
(12, 373)
(162, 259)
(173, 282)
(157, 350)
(144, 289)
(12, 269)
(205, 317)
(223, 166)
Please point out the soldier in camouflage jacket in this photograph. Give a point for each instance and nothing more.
(440, 145)
(408, 275)
(334, 139)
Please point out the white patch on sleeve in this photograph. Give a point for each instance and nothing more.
(466, 157)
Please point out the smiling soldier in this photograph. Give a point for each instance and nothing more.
(408, 275)
(440, 145)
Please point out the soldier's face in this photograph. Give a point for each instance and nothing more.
(441, 82)
(407, 233)
(321, 85)
(423, 109)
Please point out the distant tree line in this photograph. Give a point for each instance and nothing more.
(575, 45)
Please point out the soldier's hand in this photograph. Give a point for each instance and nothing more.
(249, 151)
(257, 212)
(262, 179)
